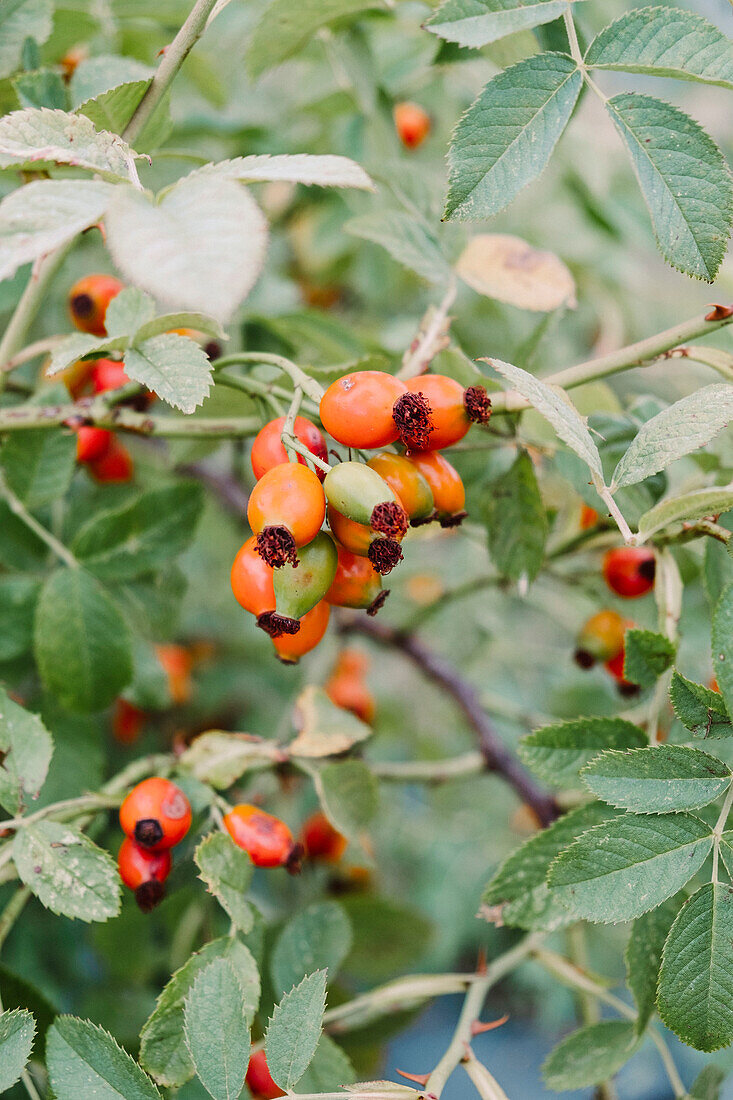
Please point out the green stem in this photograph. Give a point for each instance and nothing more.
(719, 830)
(459, 592)
(68, 807)
(308, 385)
(12, 911)
(429, 771)
(30, 301)
(40, 417)
(18, 509)
(32, 351)
(288, 433)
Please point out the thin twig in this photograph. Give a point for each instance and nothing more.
(433, 339)
(19, 509)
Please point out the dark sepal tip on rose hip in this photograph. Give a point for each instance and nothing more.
(276, 546)
(378, 602)
(148, 832)
(389, 519)
(411, 414)
(82, 305)
(583, 658)
(149, 895)
(294, 863)
(385, 554)
(276, 625)
(478, 404)
(453, 521)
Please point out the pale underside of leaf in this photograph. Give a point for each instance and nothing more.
(321, 171)
(476, 23)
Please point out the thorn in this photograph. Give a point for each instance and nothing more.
(719, 313)
(481, 961)
(477, 1028)
(419, 1078)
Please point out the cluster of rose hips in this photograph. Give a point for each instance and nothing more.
(155, 817)
(629, 572)
(290, 571)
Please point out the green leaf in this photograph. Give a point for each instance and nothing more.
(37, 137)
(227, 872)
(217, 1021)
(330, 1069)
(200, 247)
(26, 748)
(318, 938)
(683, 178)
(518, 894)
(717, 569)
(516, 521)
(85, 1063)
(557, 753)
(294, 1030)
(707, 1084)
(95, 75)
(685, 509)
(698, 708)
(82, 644)
(556, 407)
(112, 109)
(220, 758)
(286, 27)
(37, 218)
(323, 171)
(658, 779)
(664, 41)
(695, 993)
(646, 656)
(349, 795)
(590, 1055)
(67, 872)
(153, 602)
(643, 957)
(621, 869)
(506, 137)
(199, 322)
(722, 645)
(142, 535)
(174, 367)
(127, 311)
(478, 22)
(39, 466)
(17, 1030)
(686, 426)
(18, 597)
(323, 728)
(19, 21)
(407, 240)
(163, 1051)
(42, 88)
(389, 938)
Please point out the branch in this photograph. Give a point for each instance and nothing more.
(95, 412)
(19, 509)
(432, 338)
(640, 354)
(498, 758)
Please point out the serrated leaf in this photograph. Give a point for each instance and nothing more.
(323, 728)
(349, 795)
(321, 171)
(85, 1063)
(684, 179)
(227, 872)
(163, 1051)
(44, 214)
(67, 872)
(506, 137)
(17, 1030)
(646, 656)
(643, 957)
(557, 753)
(685, 509)
(286, 27)
(172, 366)
(684, 427)
(19, 21)
(695, 995)
(518, 894)
(128, 311)
(479, 22)
(39, 466)
(657, 779)
(706, 1085)
(217, 1020)
(201, 247)
(516, 521)
(42, 88)
(26, 748)
(664, 41)
(76, 346)
(590, 1055)
(112, 109)
(140, 536)
(508, 269)
(407, 240)
(619, 870)
(318, 938)
(554, 405)
(82, 644)
(698, 708)
(220, 758)
(330, 1069)
(197, 322)
(37, 136)
(102, 73)
(18, 597)
(294, 1030)
(722, 645)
